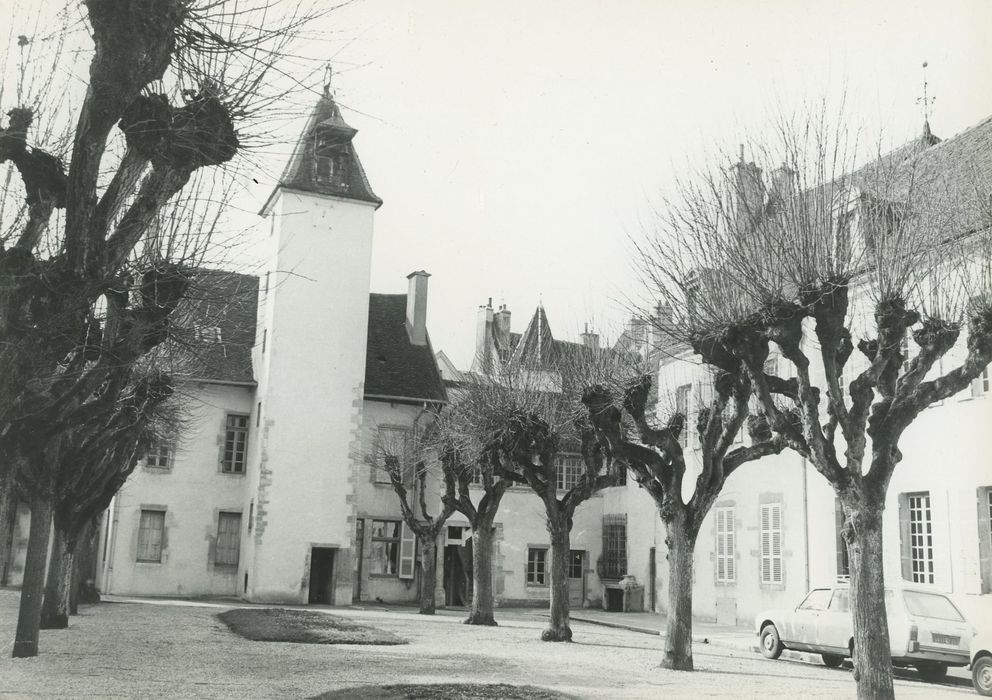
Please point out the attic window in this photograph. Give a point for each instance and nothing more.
(330, 170)
(209, 334)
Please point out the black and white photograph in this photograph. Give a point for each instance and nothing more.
(467, 350)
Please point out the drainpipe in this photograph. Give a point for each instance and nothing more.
(113, 543)
(805, 523)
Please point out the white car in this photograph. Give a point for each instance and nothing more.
(926, 630)
(981, 662)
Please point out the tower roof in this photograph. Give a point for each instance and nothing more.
(325, 160)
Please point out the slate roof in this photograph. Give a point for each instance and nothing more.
(214, 329)
(537, 346)
(326, 124)
(395, 367)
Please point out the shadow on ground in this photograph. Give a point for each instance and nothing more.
(446, 691)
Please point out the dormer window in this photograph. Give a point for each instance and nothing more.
(330, 170)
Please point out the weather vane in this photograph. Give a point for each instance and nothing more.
(327, 80)
(925, 101)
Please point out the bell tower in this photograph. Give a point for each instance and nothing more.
(309, 362)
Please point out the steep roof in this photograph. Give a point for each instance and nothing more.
(537, 347)
(395, 367)
(327, 136)
(214, 328)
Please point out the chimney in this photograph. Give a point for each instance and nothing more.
(747, 192)
(483, 336)
(501, 328)
(662, 326)
(783, 183)
(590, 340)
(416, 307)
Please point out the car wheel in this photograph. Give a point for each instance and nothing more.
(981, 675)
(932, 672)
(832, 660)
(771, 645)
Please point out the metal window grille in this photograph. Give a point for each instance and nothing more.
(771, 543)
(159, 456)
(235, 444)
(569, 470)
(151, 529)
(537, 566)
(228, 539)
(726, 546)
(920, 538)
(614, 546)
(385, 551)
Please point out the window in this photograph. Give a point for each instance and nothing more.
(576, 559)
(151, 533)
(980, 384)
(816, 600)
(614, 546)
(537, 566)
(570, 470)
(771, 543)
(391, 453)
(235, 444)
(920, 538)
(841, 602)
(385, 550)
(726, 547)
(209, 334)
(843, 562)
(159, 455)
(476, 479)
(985, 536)
(228, 539)
(931, 605)
(682, 408)
(907, 352)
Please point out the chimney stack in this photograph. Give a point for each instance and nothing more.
(747, 191)
(590, 340)
(416, 307)
(501, 328)
(483, 337)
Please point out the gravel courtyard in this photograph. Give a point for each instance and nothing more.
(181, 650)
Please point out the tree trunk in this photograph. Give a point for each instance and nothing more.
(8, 511)
(55, 609)
(29, 614)
(681, 541)
(872, 660)
(428, 574)
(558, 628)
(481, 612)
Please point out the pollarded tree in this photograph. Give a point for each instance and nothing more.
(821, 252)
(408, 460)
(536, 419)
(467, 461)
(102, 451)
(654, 454)
(172, 90)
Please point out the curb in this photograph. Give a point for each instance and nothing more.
(697, 639)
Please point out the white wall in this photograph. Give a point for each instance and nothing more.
(192, 493)
(315, 320)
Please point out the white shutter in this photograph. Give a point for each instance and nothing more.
(729, 545)
(408, 550)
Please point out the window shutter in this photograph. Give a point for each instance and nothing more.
(408, 550)
(985, 537)
(730, 545)
(904, 539)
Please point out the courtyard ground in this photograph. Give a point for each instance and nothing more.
(180, 649)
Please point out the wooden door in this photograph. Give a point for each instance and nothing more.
(576, 578)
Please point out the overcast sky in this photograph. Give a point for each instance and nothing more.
(518, 144)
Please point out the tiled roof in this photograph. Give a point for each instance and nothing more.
(537, 347)
(327, 125)
(214, 329)
(394, 366)
(955, 167)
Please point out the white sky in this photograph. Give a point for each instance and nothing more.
(518, 144)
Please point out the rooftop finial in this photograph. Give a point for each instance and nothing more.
(327, 80)
(925, 100)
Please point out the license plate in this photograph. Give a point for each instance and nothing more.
(945, 639)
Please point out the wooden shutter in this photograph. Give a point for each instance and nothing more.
(766, 564)
(985, 537)
(776, 543)
(729, 545)
(228, 538)
(905, 553)
(408, 550)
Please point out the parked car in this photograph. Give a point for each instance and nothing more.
(981, 662)
(926, 630)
